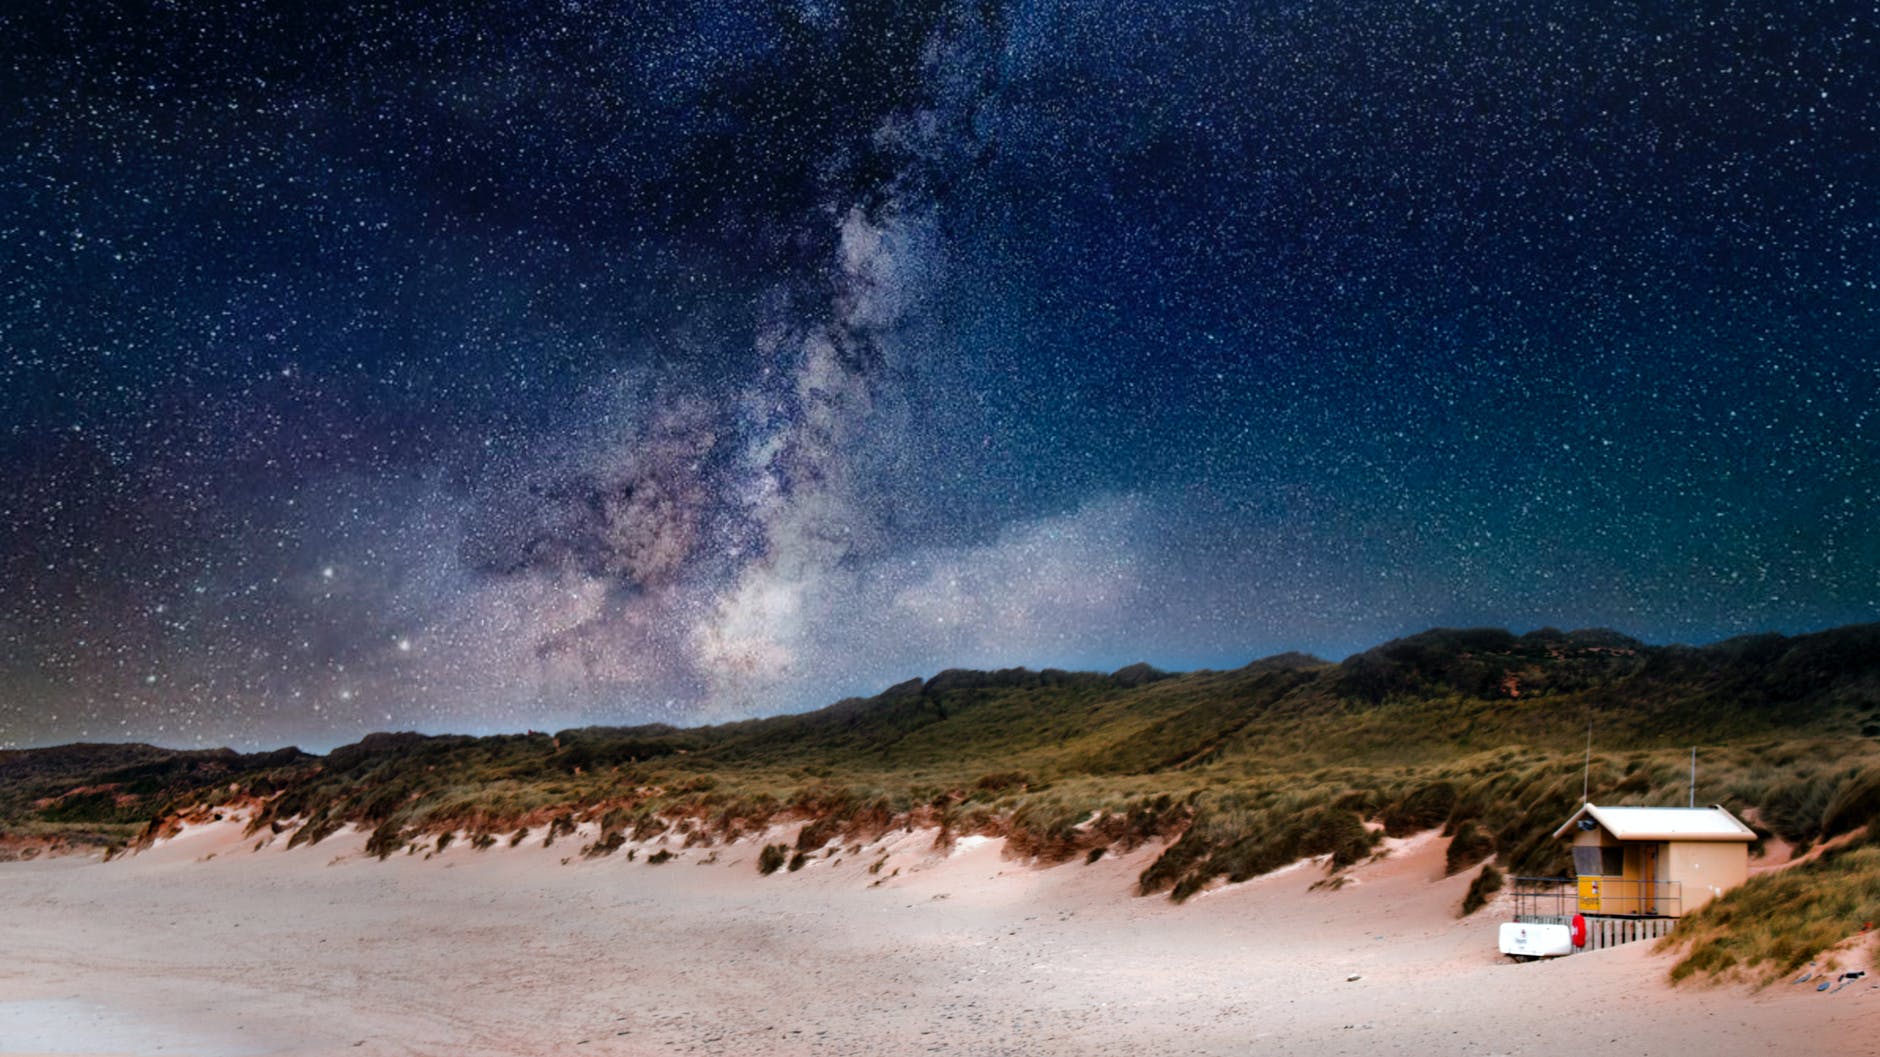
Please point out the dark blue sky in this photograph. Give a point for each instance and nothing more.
(489, 366)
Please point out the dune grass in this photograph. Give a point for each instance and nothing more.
(1477, 733)
(1777, 923)
(1487, 882)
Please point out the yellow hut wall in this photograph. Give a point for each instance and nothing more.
(1635, 861)
(1705, 869)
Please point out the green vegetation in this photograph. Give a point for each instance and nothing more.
(1778, 922)
(1477, 732)
(610, 842)
(385, 840)
(1485, 885)
(772, 858)
(1467, 847)
(102, 796)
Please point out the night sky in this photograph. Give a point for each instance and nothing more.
(490, 366)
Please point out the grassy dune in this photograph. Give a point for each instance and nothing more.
(1478, 732)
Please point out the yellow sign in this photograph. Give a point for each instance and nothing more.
(1589, 895)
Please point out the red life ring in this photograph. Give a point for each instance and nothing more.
(1579, 930)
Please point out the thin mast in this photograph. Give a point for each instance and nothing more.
(1586, 776)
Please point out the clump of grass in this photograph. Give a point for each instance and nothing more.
(1048, 831)
(1485, 885)
(1424, 807)
(1469, 846)
(607, 845)
(1775, 923)
(663, 855)
(444, 839)
(1001, 782)
(1855, 803)
(483, 841)
(1095, 854)
(560, 826)
(1793, 804)
(519, 836)
(772, 858)
(818, 833)
(1241, 841)
(315, 831)
(798, 861)
(386, 839)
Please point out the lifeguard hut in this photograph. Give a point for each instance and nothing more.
(1636, 871)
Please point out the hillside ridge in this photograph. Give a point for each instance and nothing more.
(1478, 732)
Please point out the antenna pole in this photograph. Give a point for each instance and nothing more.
(1586, 776)
(1693, 776)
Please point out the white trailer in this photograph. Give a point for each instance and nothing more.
(1522, 939)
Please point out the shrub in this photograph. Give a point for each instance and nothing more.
(818, 833)
(772, 858)
(1486, 884)
(1175, 861)
(1469, 846)
(386, 839)
(1002, 781)
(1796, 808)
(1344, 836)
(1425, 808)
(607, 845)
(1232, 840)
(1855, 802)
(315, 831)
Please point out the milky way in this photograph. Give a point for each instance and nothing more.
(485, 367)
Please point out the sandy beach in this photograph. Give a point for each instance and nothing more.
(203, 946)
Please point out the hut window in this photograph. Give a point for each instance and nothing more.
(1590, 860)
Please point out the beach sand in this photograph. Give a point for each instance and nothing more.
(203, 946)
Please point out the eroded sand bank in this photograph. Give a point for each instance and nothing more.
(205, 947)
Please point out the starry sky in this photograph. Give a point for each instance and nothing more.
(483, 366)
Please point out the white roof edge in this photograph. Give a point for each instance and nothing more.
(1713, 823)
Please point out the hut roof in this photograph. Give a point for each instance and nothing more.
(1663, 823)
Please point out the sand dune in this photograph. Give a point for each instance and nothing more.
(203, 946)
